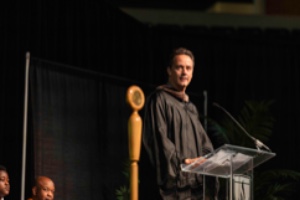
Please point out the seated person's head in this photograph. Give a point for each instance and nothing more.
(4, 182)
(43, 189)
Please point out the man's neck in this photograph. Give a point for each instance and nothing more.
(178, 89)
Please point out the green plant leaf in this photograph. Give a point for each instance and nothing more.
(255, 117)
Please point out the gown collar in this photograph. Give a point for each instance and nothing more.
(168, 88)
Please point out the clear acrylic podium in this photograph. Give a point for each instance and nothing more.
(233, 163)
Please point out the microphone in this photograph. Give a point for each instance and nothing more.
(257, 142)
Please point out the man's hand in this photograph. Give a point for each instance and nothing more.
(199, 160)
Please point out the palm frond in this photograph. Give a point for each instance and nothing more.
(255, 117)
(218, 132)
(275, 191)
(122, 193)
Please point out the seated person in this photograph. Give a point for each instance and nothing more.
(4, 182)
(43, 189)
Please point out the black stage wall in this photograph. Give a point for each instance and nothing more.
(232, 65)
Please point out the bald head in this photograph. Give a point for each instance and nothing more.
(41, 180)
(43, 189)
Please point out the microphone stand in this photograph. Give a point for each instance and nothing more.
(257, 142)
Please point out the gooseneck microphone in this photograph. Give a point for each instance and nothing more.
(257, 142)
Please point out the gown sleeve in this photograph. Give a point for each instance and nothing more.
(160, 148)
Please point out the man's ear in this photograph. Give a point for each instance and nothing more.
(34, 190)
(169, 70)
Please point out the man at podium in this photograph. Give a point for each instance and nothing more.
(173, 133)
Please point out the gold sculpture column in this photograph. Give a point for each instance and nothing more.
(136, 99)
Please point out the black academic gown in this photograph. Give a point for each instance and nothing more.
(172, 132)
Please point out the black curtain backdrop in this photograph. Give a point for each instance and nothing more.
(233, 64)
(79, 130)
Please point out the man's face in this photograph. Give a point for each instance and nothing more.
(45, 190)
(181, 72)
(4, 183)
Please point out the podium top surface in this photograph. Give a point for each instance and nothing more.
(227, 160)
